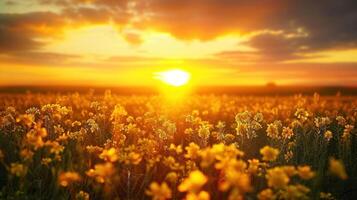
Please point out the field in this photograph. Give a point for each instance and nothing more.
(107, 146)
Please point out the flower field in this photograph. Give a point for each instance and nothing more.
(88, 146)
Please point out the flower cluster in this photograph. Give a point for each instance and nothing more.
(89, 146)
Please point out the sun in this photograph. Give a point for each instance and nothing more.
(174, 77)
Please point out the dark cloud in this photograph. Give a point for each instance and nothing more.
(327, 24)
(40, 58)
(207, 19)
(20, 32)
(11, 41)
(27, 31)
(271, 47)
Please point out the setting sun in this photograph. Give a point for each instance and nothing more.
(175, 77)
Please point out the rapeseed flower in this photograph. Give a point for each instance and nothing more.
(66, 178)
(269, 153)
(277, 178)
(337, 168)
(193, 182)
(159, 191)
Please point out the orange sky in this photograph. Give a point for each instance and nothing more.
(220, 42)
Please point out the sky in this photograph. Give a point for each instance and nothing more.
(220, 42)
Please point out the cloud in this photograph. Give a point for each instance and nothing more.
(20, 32)
(40, 58)
(115, 4)
(11, 41)
(271, 47)
(207, 19)
(28, 31)
(133, 38)
(325, 24)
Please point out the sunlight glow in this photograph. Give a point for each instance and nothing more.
(175, 77)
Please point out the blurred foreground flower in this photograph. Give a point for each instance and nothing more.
(18, 169)
(66, 178)
(109, 155)
(101, 172)
(337, 168)
(305, 172)
(81, 195)
(277, 178)
(193, 182)
(269, 153)
(266, 194)
(159, 192)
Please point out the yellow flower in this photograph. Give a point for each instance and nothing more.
(56, 148)
(76, 123)
(18, 169)
(266, 194)
(269, 153)
(328, 135)
(236, 179)
(46, 161)
(305, 172)
(204, 132)
(66, 178)
(208, 157)
(337, 168)
(302, 114)
(171, 163)
(26, 154)
(101, 172)
(194, 182)
(192, 151)
(224, 152)
(109, 155)
(287, 133)
(277, 178)
(295, 192)
(159, 192)
(341, 120)
(289, 170)
(118, 113)
(253, 166)
(26, 119)
(174, 148)
(35, 136)
(172, 177)
(347, 132)
(133, 158)
(188, 131)
(94, 149)
(81, 195)
(326, 196)
(203, 195)
(288, 155)
(273, 131)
